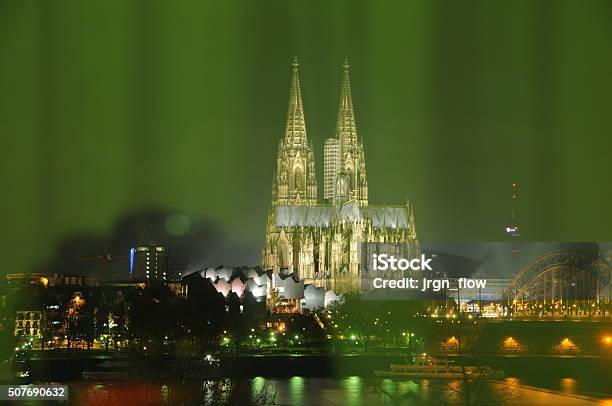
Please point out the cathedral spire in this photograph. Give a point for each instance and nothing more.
(346, 130)
(296, 125)
(350, 170)
(295, 180)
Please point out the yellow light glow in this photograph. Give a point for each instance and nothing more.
(510, 343)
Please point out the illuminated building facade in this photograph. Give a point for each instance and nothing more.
(321, 242)
(28, 324)
(148, 262)
(19, 280)
(331, 162)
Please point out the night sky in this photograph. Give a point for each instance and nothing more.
(109, 108)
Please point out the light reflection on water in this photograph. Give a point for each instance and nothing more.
(355, 390)
(352, 388)
(296, 388)
(568, 385)
(350, 391)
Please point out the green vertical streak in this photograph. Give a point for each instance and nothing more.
(584, 138)
(196, 119)
(24, 239)
(395, 119)
(498, 145)
(112, 107)
(87, 108)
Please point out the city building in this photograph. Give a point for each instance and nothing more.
(281, 292)
(493, 292)
(24, 279)
(28, 324)
(331, 167)
(148, 262)
(321, 242)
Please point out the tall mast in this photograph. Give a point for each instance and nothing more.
(513, 229)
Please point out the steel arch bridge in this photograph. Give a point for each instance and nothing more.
(554, 282)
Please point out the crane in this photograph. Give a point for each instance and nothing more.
(103, 260)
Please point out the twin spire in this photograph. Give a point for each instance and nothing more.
(346, 130)
(343, 156)
(296, 125)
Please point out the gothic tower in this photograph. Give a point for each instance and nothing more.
(321, 243)
(295, 180)
(294, 184)
(350, 180)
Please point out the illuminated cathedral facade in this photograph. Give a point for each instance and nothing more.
(320, 241)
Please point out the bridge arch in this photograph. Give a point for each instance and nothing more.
(561, 282)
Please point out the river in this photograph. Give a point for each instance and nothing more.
(350, 391)
(348, 380)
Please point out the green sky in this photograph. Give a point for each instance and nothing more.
(109, 107)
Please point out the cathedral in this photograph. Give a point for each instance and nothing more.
(321, 241)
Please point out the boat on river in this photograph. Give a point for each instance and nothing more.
(425, 366)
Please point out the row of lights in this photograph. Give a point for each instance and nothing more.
(511, 342)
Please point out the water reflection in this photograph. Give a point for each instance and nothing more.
(258, 384)
(297, 390)
(352, 390)
(568, 385)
